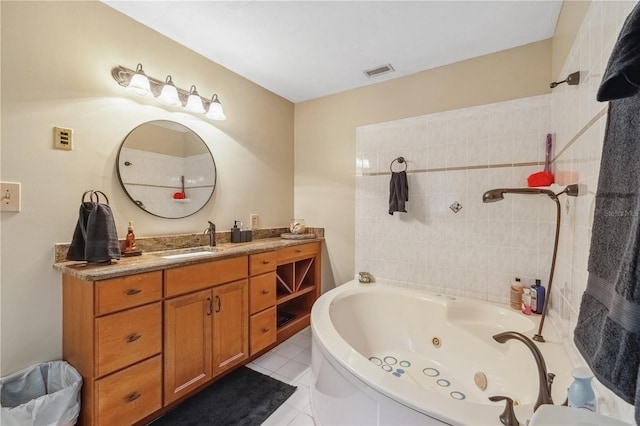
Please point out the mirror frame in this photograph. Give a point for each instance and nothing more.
(137, 202)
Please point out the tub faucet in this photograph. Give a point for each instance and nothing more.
(211, 230)
(545, 379)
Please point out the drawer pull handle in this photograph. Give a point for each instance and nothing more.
(219, 304)
(265, 330)
(133, 291)
(133, 337)
(265, 262)
(298, 251)
(132, 396)
(210, 307)
(265, 291)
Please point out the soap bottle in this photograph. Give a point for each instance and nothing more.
(235, 232)
(526, 301)
(581, 394)
(516, 294)
(539, 291)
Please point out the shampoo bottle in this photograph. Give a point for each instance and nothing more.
(516, 294)
(539, 291)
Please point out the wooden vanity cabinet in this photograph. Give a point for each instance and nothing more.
(298, 287)
(262, 300)
(205, 332)
(112, 334)
(143, 341)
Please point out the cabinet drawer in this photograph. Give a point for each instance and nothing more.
(190, 278)
(262, 262)
(262, 292)
(130, 395)
(128, 337)
(126, 292)
(302, 251)
(263, 330)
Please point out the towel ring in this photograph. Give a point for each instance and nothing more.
(91, 193)
(399, 160)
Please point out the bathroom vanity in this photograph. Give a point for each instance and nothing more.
(146, 332)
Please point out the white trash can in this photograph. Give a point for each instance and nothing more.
(42, 394)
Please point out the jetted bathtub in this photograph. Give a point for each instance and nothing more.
(384, 354)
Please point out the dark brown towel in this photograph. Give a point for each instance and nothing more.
(398, 192)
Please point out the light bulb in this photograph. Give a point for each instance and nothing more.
(139, 83)
(169, 94)
(215, 109)
(194, 102)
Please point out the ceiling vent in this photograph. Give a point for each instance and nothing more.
(375, 72)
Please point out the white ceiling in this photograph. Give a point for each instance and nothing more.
(303, 50)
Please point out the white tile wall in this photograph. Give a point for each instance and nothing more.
(456, 156)
(476, 252)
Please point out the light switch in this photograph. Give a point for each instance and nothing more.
(63, 138)
(10, 196)
(253, 221)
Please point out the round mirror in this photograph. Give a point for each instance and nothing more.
(166, 169)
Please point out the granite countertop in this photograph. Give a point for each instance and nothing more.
(154, 261)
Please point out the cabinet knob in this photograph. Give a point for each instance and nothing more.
(265, 291)
(265, 262)
(133, 337)
(298, 251)
(265, 330)
(132, 396)
(133, 291)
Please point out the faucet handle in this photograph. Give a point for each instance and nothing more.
(508, 416)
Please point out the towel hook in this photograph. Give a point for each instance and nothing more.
(399, 160)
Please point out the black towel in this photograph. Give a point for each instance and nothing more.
(608, 329)
(398, 192)
(95, 238)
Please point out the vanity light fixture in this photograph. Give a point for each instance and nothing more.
(167, 93)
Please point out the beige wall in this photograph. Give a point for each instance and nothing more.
(325, 132)
(56, 62)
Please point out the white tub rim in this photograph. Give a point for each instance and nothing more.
(340, 353)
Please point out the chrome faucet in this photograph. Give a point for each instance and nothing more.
(211, 230)
(545, 379)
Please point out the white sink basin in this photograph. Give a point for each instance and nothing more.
(200, 251)
(548, 415)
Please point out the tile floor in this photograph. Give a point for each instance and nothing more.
(290, 362)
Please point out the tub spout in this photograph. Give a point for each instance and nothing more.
(544, 379)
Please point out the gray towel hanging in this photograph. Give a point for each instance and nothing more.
(95, 238)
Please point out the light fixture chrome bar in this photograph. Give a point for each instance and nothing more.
(123, 75)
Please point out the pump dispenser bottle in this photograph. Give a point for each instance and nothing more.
(236, 236)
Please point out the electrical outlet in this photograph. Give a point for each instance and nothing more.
(63, 138)
(10, 196)
(253, 221)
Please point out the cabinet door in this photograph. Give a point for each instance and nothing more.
(187, 343)
(230, 325)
